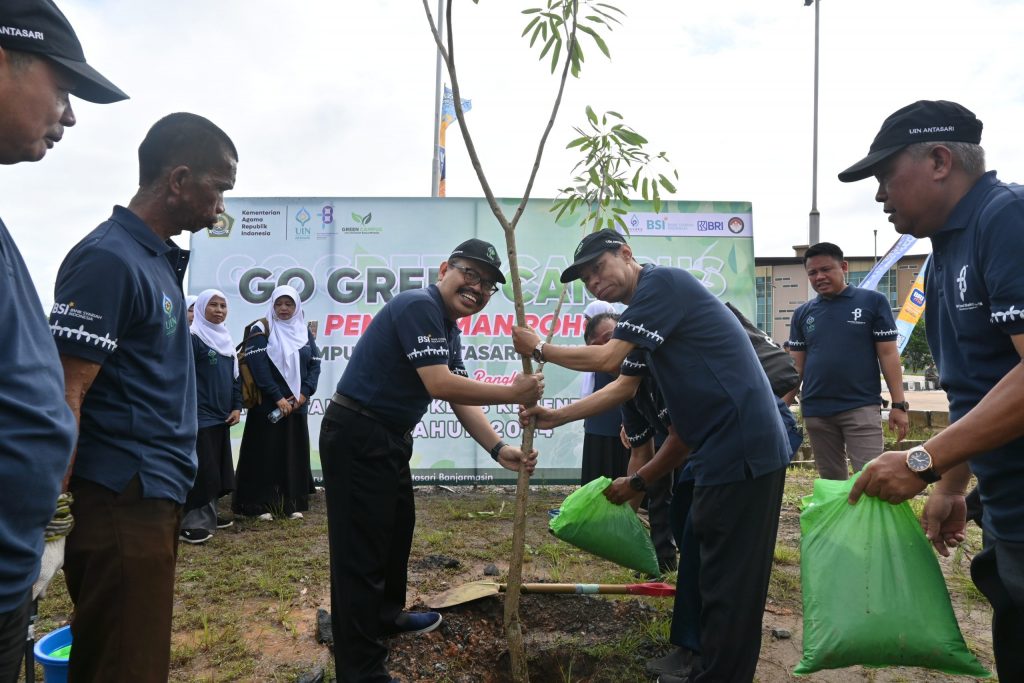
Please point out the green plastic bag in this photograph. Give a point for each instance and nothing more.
(591, 522)
(873, 591)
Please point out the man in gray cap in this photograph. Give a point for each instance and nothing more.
(41, 62)
(932, 183)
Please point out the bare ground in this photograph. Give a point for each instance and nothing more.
(246, 602)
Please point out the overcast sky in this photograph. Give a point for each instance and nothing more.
(335, 98)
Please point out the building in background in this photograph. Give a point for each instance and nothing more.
(780, 285)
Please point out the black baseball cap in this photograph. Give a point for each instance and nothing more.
(482, 252)
(37, 26)
(922, 121)
(591, 247)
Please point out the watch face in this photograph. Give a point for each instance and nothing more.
(919, 461)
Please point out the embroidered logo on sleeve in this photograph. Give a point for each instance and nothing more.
(628, 364)
(886, 333)
(1009, 315)
(80, 334)
(439, 351)
(641, 330)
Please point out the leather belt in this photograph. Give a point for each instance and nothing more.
(356, 407)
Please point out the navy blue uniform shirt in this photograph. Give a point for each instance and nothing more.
(410, 332)
(37, 429)
(118, 302)
(716, 392)
(218, 392)
(975, 301)
(609, 422)
(270, 380)
(838, 334)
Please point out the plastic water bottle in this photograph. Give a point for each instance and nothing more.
(275, 416)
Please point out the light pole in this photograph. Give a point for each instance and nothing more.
(435, 173)
(814, 232)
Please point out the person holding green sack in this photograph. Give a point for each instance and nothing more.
(721, 404)
(932, 182)
(873, 593)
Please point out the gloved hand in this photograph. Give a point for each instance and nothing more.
(53, 554)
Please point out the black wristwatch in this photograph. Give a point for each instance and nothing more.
(919, 461)
(497, 449)
(637, 483)
(904, 406)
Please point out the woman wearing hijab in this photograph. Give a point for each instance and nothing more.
(273, 464)
(219, 404)
(190, 307)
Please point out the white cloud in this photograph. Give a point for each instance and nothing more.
(335, 98)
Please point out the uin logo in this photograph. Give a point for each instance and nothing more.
(856, 314)
(961, 282)
(302, 216)
(170, 320)
(222, 226)
(809, 324)
(492, 254)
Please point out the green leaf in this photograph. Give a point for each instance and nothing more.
(597, 39)
(357, 218)
(547, 46)
(577, 142)
(533, 22)
(591, 115)
(631, 136)
(532, 10)
(666, 184)
(554, 56)
(643, 190)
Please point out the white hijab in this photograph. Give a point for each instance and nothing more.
(286, 338)
(216, 337)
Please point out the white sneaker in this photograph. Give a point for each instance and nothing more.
(266, 517)
(295, 515)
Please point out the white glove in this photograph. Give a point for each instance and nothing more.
(53, 560)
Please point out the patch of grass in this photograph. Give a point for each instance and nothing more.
(786, 555)
(784, 585)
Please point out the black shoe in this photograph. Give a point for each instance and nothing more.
(669, 678)
(195, 536)
(224, 523)
(678, 663)
(413, 623)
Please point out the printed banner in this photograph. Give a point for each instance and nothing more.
(912, 309)
(448, 117)
(895, 253)
(347, 257)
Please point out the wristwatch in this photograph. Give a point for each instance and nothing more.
(496, 450)
(538, 351)
(904, 406)
(919, 461)
(637, 483)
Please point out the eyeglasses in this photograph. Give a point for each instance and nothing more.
(472, 278)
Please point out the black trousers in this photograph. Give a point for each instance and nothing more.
(998, 572)
(13, 636)
(370, 517)
(735, 526)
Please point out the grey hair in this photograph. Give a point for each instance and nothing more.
(970, 156)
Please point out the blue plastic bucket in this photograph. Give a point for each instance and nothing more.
(55, 670)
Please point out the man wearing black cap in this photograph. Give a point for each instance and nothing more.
(721, 404)
(932, 183)
(41, 62)
(411, 353)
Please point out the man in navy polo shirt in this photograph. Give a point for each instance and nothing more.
(722, 406)
(838, 341)
(41, 63)
(932, 183)
(120, 326)
(411, 353)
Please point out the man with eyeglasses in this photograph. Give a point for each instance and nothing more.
(410, 354)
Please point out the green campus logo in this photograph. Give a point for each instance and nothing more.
(362, 220)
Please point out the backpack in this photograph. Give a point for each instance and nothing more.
(778, 365)
(251, 394)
